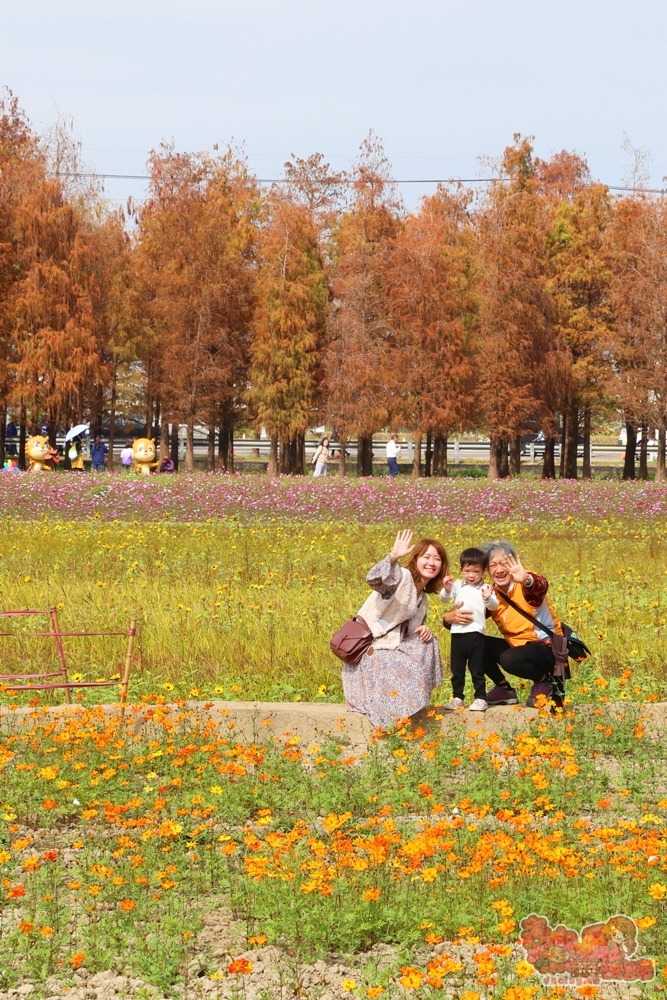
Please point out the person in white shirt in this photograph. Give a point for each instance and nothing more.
(393, 449)
(467, 647)
(127, 457)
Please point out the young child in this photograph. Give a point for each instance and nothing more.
(468, 640)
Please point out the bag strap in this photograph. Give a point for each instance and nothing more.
(531, 618)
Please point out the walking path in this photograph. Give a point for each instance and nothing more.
(312, 721)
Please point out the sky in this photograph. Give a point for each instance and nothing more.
(441, 82)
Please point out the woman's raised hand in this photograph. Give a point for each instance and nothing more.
(402, 546)
(516, 570)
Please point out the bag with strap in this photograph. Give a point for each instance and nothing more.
(565, 646)
(355, 638)
(352, 640)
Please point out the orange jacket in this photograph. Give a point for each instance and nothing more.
(516, 629)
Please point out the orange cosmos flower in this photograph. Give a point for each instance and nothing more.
(77, 959)
(588, 990)
(240, 966)
(16, 892)
(372, 895)
(412, 978)
(46, 931)
(127, 905)
(26, 927)
(374, 991)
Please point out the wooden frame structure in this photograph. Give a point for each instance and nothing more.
(64, 682)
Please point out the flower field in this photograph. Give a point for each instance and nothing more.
(242, 607)
(116, 844)
(177, 857)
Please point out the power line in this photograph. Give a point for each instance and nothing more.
(406, 180)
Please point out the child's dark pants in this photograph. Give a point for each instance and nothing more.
(468, 648)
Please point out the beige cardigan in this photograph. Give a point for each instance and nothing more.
(393, 602)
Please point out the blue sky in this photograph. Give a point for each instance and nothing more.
(441, 82)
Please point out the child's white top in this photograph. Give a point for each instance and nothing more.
(471, 595)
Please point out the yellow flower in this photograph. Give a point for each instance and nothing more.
(645, 922)
(348, 984)
(167, 686)
(524, 969)
(216, 790)
(657, 890)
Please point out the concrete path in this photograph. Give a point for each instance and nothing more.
(314, 721)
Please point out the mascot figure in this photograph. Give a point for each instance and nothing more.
(144, 455)
(39, 451)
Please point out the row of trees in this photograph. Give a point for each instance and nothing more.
(540, 302)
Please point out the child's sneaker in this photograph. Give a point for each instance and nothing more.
(478, 705)
(454, 705)
(501, 695)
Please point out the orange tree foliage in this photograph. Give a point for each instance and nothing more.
(358, 356)
(433, 308)
(288, 328)
(539, 304)
(195, 254)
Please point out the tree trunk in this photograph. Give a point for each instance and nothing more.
(365, 455)
(515, 455)
(342, 465)
(298, 447)
(572, 437)
(662, 438)
(285, 457)
(190, 445)
(272, 467)
(429, 455)
(504, 459)
(440, 455)
(587, 471)
(149, 415)
(497, 446)
(230, 445)
(630, 451)
(563, 447)
(549, 461)
(112, 421)
(3, 432)
(417, 457)
(164, 439)
(643, 454)
(174, 446)
(210, 454)
(22, 436)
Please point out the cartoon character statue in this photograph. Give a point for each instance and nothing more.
(39, 451)
(144, 452)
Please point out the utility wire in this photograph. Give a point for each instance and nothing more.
(411, 180)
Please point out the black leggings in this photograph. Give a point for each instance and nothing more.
(533, 661)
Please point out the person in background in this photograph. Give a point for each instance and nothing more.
(127, 457)
(321, 457)
(75, 455)
(393, 449)
(10, 438)
(98, 453)
(166, 465)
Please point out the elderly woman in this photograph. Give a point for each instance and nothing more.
(524, 650)
(395, 677)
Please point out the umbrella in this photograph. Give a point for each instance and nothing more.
(76, 431)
